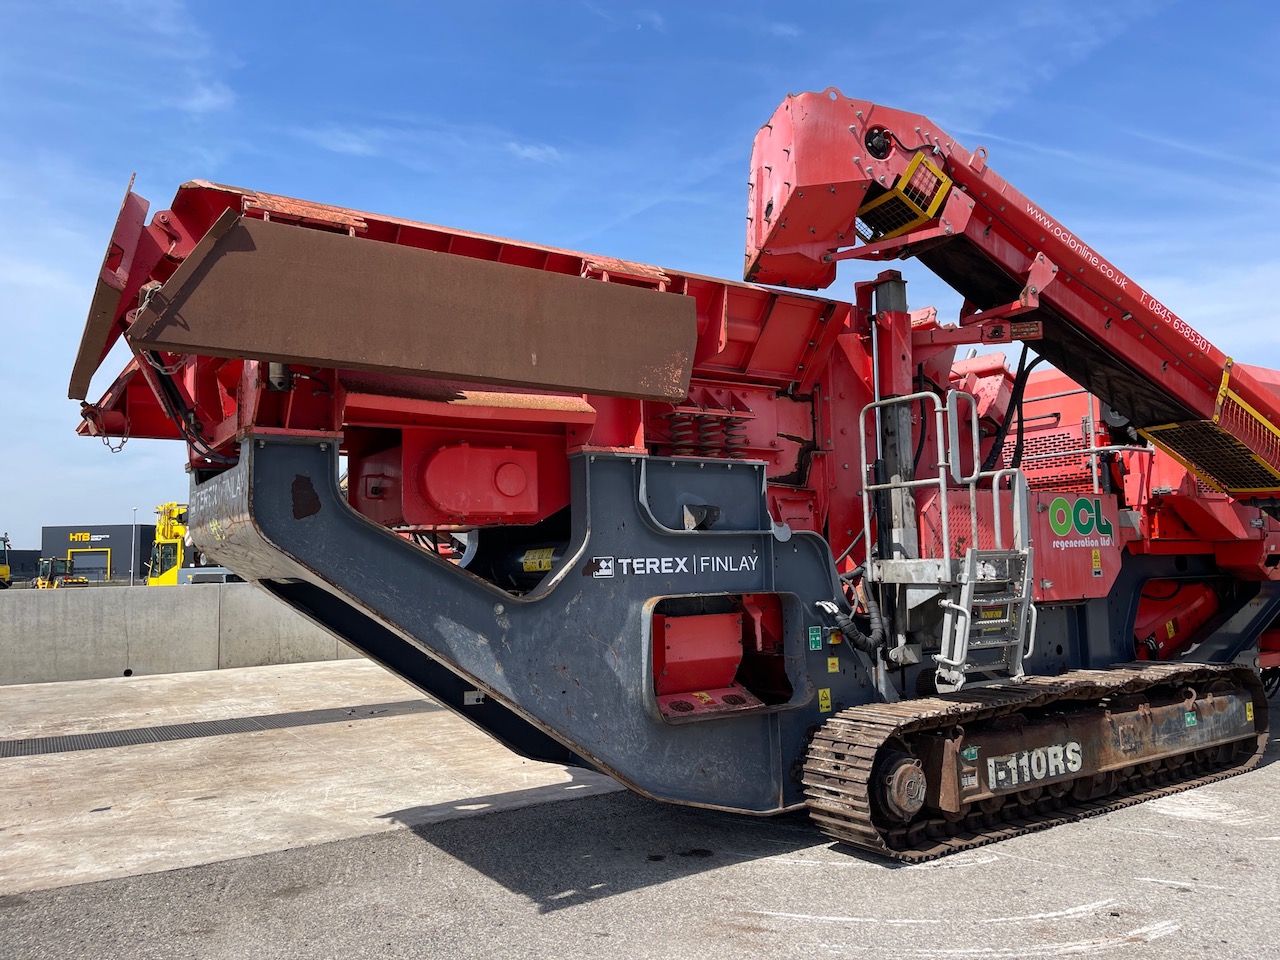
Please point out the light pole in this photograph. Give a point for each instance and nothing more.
(133, 547)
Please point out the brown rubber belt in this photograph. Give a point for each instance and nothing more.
(838, 771)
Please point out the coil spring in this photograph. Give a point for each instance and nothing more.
(711, 436)
(683, 434)
(735, 438)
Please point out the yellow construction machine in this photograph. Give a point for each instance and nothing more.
(55, 572)
(174, 561)
(169, 549)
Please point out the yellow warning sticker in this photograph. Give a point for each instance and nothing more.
(824, 699)
(704, 697)
(1170, 629)
(1097, 563)
(1248, 711)
(833, 664)
(537, 560)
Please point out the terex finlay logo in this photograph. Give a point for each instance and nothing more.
(605, 567)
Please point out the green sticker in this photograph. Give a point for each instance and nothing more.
(815, 638)
(970, 753)
(1191, 718)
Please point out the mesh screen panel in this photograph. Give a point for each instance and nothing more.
(891, 215)
(1069, 472)
(1254, 433)
(1218, 455)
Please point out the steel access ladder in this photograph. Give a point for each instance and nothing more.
(989, 619)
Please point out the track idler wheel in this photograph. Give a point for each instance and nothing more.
(902, 787)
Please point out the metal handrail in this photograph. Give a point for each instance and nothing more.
(940, 482)
(1021, 513)
(1089, 427)
(966, 616)
(947, 424)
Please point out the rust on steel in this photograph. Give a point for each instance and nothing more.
(107, 293)
(1004, 788)
(269, 291)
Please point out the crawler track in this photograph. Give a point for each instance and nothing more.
(844, 753)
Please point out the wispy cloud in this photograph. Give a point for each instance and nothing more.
(651, 19)
(178, 66)
(993, 66)
(207, 97)
(349, 141)
(1232, 305)
(417, 143)
(537, 152)
(787, 31)
(606, 15)
(640, 17)
(1206, 151)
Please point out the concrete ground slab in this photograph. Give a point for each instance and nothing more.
(615, 876)
(94, 814)
(52, 709)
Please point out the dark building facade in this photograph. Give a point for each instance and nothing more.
(101, 552)
(22, 564)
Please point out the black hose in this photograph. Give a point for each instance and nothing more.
(182, 415)
(1015, 404)
(924, 413)
(1015, 461)
(856, 638)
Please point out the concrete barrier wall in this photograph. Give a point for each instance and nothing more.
(84, 634)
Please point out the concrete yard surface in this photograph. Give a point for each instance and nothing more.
(607, 874)
(91, 814)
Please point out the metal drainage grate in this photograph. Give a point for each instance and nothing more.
(208, 728)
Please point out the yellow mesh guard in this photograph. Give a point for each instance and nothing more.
(1237, 451)
(913, 200)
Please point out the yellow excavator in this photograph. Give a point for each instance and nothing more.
(55, 572)
(174, 561)
(168, 550)
(6, 572)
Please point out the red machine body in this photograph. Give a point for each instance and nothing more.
(775, 376)
(1129, 492)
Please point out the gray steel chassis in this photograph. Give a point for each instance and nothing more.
(565, 672)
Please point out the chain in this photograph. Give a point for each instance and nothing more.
(117, 447)
(152, 357)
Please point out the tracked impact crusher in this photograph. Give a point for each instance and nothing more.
(738, 546)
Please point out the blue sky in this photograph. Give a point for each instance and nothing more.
(1148, 128)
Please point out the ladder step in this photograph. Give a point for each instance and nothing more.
(994, 644)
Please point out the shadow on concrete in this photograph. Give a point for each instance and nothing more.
(581, 783)
(560, 855)
(601, 844)
(1272, 753)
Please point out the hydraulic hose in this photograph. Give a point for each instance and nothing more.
(855, 637)
(1015, 404)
